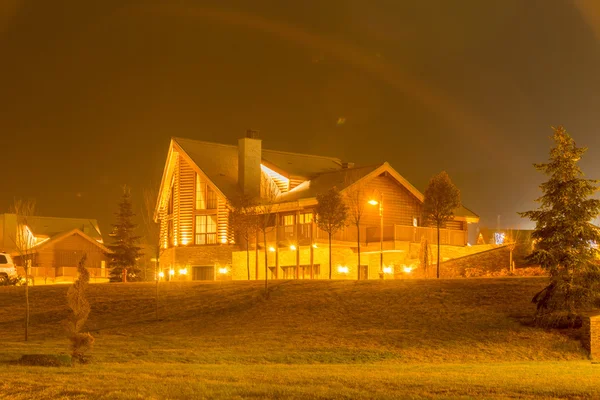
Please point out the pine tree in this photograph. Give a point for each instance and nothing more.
(125, 249)
(564, 235)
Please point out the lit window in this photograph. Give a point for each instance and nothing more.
(288, 222)
(206, 198)
(306, 218)
(206, 229)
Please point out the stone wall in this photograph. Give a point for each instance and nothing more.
(590, 336)
(492, 260)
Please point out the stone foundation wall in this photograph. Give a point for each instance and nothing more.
(490, 261)
(590, 337)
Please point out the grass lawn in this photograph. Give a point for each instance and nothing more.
(311, 339)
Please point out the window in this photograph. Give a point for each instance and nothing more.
(171, 200)
(206, 229)
(206, 198)
(288, 221)
(306, 218)
(3, 259)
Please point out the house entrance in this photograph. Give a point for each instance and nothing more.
(203, 273)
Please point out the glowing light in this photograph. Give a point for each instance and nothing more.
(407, 269)
(161, 274)
(171, 272)
(223, 271)
(183, 271)
(343, 269)
(184, 242)
(499, 237)
(388, 270)
(271, 249)
(224, 240)
(315, 245)
(373, 202)
(292, 247)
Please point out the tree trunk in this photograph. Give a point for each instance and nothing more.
(358, 246)
(330, 256)
(157, 281)
(510, 261)
(438, 251)
(26, 300)
(266, 264)
(248, 256)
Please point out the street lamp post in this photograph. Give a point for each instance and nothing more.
(380, 203)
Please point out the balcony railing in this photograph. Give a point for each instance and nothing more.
(287, 235)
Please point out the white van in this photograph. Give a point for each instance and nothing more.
(7, 268)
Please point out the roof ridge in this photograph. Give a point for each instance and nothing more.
(264, 149)
(82, 218)
(373, 166)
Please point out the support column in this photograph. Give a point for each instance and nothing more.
(312, 249)
(256, 255)
(276, 246)
(297, 236)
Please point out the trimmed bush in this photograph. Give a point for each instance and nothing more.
(45, 360)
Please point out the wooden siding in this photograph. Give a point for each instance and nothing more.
(176, 190)
(294, 182)
(223, 233)
(184, 207)
(399, 205)
(63, 255)
(187, 189)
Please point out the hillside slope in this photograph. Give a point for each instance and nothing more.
(303, 322)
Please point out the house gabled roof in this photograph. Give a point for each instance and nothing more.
(219, 162)
(51, 226)
(63, 235)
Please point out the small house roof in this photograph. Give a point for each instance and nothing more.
(51, 226)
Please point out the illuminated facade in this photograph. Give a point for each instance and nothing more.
(201, 178)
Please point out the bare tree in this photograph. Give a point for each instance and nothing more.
(152, 237)
(511, 239)
(24, 241)
(441, 199)
(244, 221)
(266, 212)
(356, 207)
(331, 214)
(425, 254)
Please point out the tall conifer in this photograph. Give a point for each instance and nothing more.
(565, 239)
(125, 248)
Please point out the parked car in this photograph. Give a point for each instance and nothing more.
(7, 267)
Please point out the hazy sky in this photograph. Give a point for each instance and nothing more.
(91, 91)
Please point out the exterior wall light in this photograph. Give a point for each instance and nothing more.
(388, 270)
(183, 271)
(271, 249)
(292, 247)
(407, 269)
(171, 272)
(224, 240)
(315, 245)
(373, 202)
(343, 269)
(223, 271)
(161, 274)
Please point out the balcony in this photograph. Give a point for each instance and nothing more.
(286, 235)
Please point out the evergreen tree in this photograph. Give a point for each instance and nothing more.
(564, 235)
(441, 199)
(331, 214)
(125, 249)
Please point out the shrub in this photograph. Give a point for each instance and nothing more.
(81, 343)
(45, 360)
(11, 281)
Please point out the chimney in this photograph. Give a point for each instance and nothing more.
(346, 165)
(249, 158)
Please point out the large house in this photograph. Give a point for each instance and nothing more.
(54, 246)
(200, 180)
